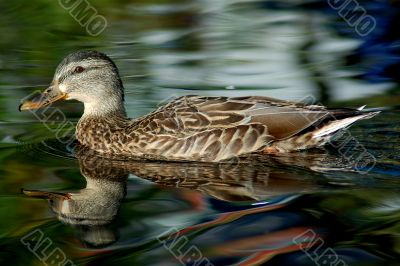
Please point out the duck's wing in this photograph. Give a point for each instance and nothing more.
(190, 114)
(219, 128)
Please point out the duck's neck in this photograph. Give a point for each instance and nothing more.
(97, 124)
(105, 108)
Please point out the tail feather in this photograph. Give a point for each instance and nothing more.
(361, 108)
(319, 135)
(336, 125)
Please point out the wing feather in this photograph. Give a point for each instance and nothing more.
(282, 118)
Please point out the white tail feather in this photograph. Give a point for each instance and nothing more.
(337, 125)
(361, 108)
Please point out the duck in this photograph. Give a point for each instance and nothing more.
(188, 128)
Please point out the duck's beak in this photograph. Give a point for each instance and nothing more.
(39, 100)
(45, 194)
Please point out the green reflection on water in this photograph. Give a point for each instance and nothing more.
(171, 48)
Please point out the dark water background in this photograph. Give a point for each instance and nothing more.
(325, 207)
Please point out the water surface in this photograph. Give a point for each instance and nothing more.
(312, 208)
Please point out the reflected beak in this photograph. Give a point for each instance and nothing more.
(39, 100)
(45, 194)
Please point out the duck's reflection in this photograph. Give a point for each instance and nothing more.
(93, 208)
(244, 179)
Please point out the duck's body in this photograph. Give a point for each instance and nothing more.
(194, 128)
(190, 128)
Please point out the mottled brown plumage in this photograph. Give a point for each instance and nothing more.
(190, 128)
(195, 128)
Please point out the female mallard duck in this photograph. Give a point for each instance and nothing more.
(190, 128)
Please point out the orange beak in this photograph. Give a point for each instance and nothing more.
(39, 100)
(45, 194)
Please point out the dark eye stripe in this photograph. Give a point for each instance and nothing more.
(72, 72)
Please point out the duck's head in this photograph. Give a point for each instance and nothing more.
(90, 77)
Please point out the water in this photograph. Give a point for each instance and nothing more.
(285, 210)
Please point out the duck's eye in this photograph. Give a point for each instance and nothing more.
(79, 69)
